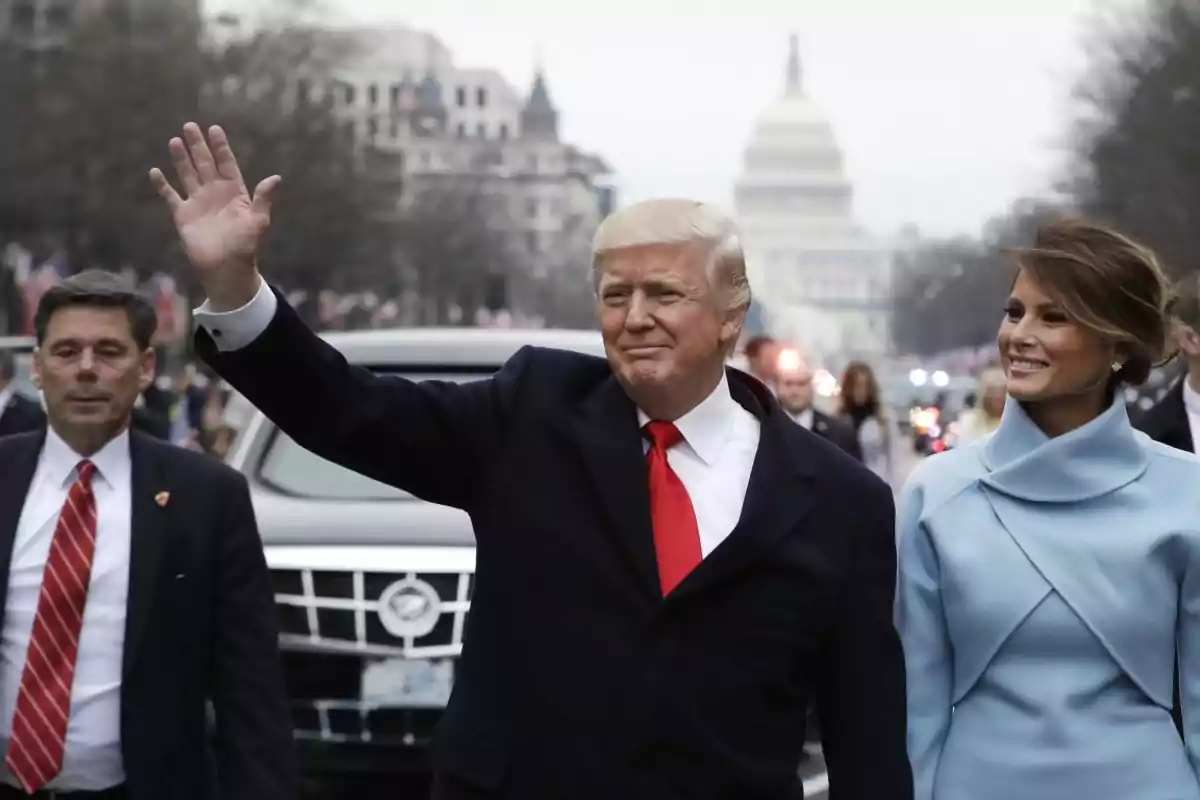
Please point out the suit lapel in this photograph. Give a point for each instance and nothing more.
(779, 472)
(819, 425)
(16, 476)
(605, 430)
(1179, 428)
(148, 540)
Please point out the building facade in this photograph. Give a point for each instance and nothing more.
(824, 283)
(429, 123)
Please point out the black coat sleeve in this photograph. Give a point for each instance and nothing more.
(861, 690)
(433, 438)
(254, 745)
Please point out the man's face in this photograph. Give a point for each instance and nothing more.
(1188, 340)
(665, 327)
(794, 388)
(91, 371)
(765, 364)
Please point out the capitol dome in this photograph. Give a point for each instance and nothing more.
(823, 282)
(794, 116)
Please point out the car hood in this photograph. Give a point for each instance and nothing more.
(298, 521)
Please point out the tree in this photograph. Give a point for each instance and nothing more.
(91, 113)
(950, 292)
(97, 111)
(270, 90)
(455, 248)
(1137, 139)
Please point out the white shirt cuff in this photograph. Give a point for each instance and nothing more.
(233, 330)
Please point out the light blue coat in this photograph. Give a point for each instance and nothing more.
(1043, 585)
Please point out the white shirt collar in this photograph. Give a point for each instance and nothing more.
(1191, 398)
(708, 426)
(112, 460)
(6, 396)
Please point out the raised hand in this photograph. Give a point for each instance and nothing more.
(220, 223)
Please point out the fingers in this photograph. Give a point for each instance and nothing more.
(183, 166)
(263, 194)
(226, 163)
(202, 157)
(165, 190)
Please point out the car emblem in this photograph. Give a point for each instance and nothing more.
(410, 607)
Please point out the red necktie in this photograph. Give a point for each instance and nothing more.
(676, 534)
(39, 727)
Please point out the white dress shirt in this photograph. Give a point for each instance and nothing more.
(804, 418)
(233, 330)
(1191, 402)
(720, 440)
(6, 396)
(713, 462)
(92, 760)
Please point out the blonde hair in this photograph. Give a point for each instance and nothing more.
(678, 221)
(991, 378)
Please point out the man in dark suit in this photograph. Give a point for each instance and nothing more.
(668, 569)
(17, 412)
(136, 587)
(794, 388)
(1175, 420)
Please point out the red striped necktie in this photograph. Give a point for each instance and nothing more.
(39, 727)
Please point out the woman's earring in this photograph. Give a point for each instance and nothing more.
(1116, 366)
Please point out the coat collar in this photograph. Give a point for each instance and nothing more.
(1090, 461)
(607, 435)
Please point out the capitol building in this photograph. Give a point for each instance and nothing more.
(823, 283)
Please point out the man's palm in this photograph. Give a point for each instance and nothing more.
(220, 223)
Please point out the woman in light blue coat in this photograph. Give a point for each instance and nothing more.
(1049, 575)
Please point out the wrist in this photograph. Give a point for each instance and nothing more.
(233, 294)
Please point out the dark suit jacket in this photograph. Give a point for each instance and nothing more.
(200, 626)
(837, 432)
(1167, 422)
(21, 415)
(577, 679)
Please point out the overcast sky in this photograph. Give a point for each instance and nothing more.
(947, 110)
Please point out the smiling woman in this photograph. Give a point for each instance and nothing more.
(1049, 573)
(1088, 311)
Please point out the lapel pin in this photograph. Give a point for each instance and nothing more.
(162, 498)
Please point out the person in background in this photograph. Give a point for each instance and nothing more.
(1175, 420)
(981, 420)
(762, 359)
(1050, 573)
(863, 410)
(794, 390)
(670, 570)
(17, 413)
(136, 592)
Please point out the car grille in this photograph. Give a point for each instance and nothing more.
(339, 612)
(330, 628)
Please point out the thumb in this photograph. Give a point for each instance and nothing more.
(263, 195)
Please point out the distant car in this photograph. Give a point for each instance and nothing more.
(373, 586)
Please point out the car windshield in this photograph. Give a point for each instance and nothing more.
(288, 468)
